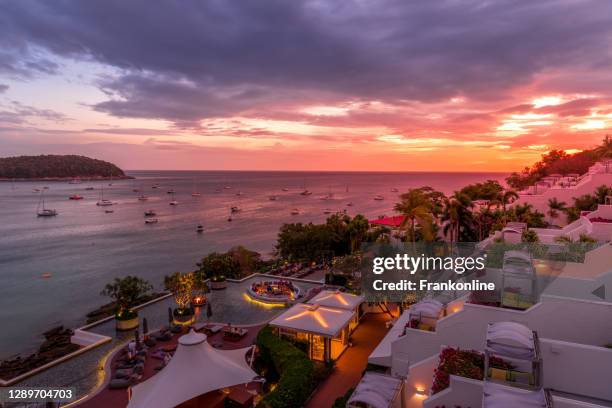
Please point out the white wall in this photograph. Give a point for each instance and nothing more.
(577, 369)
(577, 321)
(462, 392)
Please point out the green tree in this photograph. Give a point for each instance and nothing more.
(217, 264)
(416, 205)
(181, 285)
(530, 236)
(126, 291)
(555, 207)
(458, 218)
(357, 230)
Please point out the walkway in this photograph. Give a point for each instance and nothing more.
(352, 362)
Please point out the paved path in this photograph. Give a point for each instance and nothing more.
(352, 362)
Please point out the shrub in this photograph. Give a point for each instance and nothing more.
(340, 402)
(296, 371)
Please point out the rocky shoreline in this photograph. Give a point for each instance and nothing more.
(57, 344)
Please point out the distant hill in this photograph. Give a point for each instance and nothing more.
(559, 162)
(57, 167)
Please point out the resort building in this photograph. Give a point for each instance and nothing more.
(566, 187)
(540, 344)
(325, 329)
(341, 300)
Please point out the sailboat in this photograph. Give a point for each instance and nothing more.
(173, 202)
(194, 192)
(305, 192)
(44, 212)
(103, 202)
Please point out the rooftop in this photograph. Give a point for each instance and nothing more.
(314, 319)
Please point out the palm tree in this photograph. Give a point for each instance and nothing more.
(605, 150)
(554, 207)
(457, 215)
(504, 198)
(602, 192)
(415, 206)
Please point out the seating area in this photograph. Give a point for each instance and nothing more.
(298, 270)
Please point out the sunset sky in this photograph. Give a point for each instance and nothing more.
(453, 85)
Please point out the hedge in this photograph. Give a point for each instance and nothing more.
(297, 372)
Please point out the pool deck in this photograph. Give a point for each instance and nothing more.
(106, 397)
(352, 363)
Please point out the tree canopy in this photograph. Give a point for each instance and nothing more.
(57, 166)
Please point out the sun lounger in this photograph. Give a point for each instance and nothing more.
(120, 383)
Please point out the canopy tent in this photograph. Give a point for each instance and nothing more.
(512, 340)
(519, 280)
(425, 313)
(498, 396)
(335, 298)
(395, 221)
(196, 368)
(518, 347)
(376, 390)
(315, 319)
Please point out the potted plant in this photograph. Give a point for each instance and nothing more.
(125, 292)
(181, 285)
(218, 282)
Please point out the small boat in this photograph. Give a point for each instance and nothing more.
(196, 194)
(143, 197)
(295, 211)
(75, 181)
(326, 197)
(46, 275)
(349, 204)
(151, 221)
(44, 212)
(285, 189)
(327, 211)
(217, 190)
(379, 198)
(150, 213)
(36, 190)
(306, 193)
(240, 193)
(104, 203)
(171, 191)
(394, 190)
(109, 211)
(229, 219)
(272, 198)
(200, 228)
(173, 202)
(155, 186)
(89, 188)
(227, 187)
(135, 190)
(235, 209)
(75, 197)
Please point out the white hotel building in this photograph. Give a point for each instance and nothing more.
(559, 342)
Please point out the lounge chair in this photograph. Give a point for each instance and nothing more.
(120, 383)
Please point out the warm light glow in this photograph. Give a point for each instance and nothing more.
(314, 311)
(338, 296)
(590, 125)
(546, 101)
(260, 303)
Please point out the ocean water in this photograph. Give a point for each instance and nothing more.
(84, 247)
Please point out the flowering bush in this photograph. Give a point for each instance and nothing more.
(464, 363)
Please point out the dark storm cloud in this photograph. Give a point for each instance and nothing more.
(3, 88)
(188, 60)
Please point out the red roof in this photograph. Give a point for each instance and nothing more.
(393, 222)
